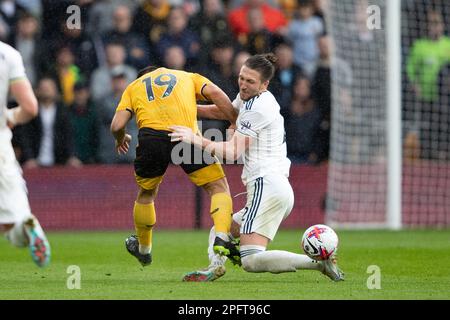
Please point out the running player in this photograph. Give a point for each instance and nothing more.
(22, 228)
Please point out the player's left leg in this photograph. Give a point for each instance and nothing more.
(272, 200)
(23, 228)
(149, 167)
(216, 267)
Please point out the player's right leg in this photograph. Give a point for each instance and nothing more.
(211, 177)
(221, 211)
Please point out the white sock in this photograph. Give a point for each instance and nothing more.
(16, 235)
(144, 249)
(214, 259)
(222, 236)
(256, 259)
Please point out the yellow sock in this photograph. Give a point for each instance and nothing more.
(221, 212)
(144, 219)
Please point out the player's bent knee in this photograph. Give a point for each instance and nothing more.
(146, 196)
(218, 186)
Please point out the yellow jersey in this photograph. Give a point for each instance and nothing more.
(163, 98)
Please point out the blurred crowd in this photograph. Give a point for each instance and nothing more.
(79, 74)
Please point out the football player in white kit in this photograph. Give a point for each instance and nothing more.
(22, 228)
(260, 137)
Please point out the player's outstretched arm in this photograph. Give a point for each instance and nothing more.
(221, 101)
(28, 106)
(229, 150)
(210, 111)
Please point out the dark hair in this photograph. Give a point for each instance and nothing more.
(146, 70)
(264, 64)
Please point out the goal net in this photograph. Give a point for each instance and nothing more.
(359, 176)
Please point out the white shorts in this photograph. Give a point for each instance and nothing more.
(14, 205)
(270, 200)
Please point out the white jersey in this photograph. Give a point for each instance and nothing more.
(14, 206)
(260, 119)
(11, 68)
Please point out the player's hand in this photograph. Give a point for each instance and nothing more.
(123, 146)
(10, 118)
(183, 134)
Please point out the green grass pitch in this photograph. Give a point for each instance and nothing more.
(413, 265)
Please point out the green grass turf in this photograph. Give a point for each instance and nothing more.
(413, 264)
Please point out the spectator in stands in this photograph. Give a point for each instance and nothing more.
(100, 18)
(81, 45)
(178, 34)
(84, 124)
(304, 32)
(321, 93)
(258, 40)
(211, 23)
(106, 108)
(27, 43)
(273, 18)
(138, 51)
(282, 84)
(101, 77)
(427, 56)
(150, 20)
(303, 124)
(47, 139)
(219, 68)
(9, 15)
(66, 73)
(319, 9)
(174, 58)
